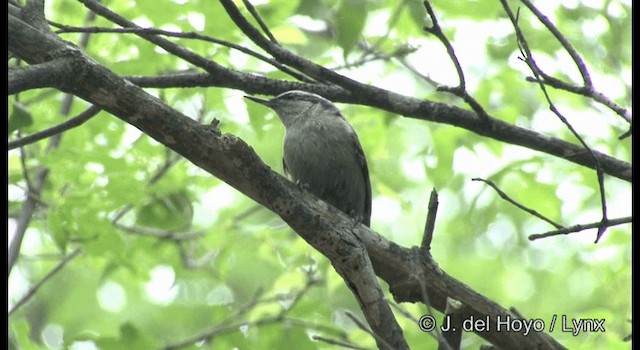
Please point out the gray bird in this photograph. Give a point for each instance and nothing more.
(322, 152)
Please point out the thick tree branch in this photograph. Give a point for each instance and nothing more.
(407, 106)
(31, 18)
(36, 76)
(351, 91)
(130, 103)
(384, 99)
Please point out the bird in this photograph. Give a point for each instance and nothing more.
(322, 152)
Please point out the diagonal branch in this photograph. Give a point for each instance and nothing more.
(582, 67)
(587, 89)
(34, 289)
(461, 89)
(396, 103)
(520, 206)
(58, 129)
(184, 35)
(256, 16)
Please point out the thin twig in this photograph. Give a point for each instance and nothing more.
(520, 206)
(32, 291)
(171, 160)
(625, 134)
(587, 89)
(318, 72)
(158, 233)
(184, 35)
(366, 329)
(436, 30)
(427, 303)
(430, 224)
(369, 95)
(172, 235)
(414, 71)
(177, 50)
(435, 333)
(376, 55)
(461, 89)
(527, 57)
(582, 67)
(263, 26)
(191, 262)
(578, 228)
(452, 338)
(339, 332)
(33, 191)
(60, 128)
(226, 326)
(243, 309)
(391, 25)
(340, 343)
(23, 168)
(403, 312)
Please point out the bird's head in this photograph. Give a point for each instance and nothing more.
(294, 104)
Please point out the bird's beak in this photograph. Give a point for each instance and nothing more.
(259, 100)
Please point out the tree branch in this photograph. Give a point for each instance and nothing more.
(58, 129)
(256, 16)
(351, 91)
(184, 35)
(527, 56)
(31, 19)
(461, 89)
(36, 76)
(369, 95)
(34, 289)
(518, 205)
(578, 228)
(430, 223)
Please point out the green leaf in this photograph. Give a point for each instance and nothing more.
(350, 20)
(20, 117)
(130, 338)
(172, 211)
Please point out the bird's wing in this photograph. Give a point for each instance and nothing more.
(284, 166)
(362, 160)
